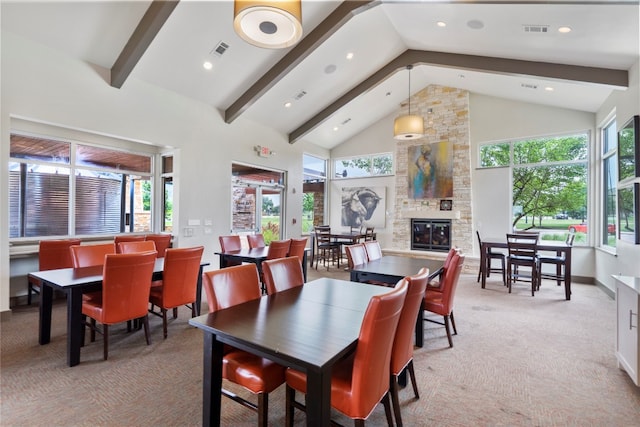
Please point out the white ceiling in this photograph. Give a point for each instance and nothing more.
(603, 35)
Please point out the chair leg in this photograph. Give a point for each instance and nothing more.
(387, 410)
(147, 335)
(395, 400)
(164, 322)
(193, 309)
(263, 409)
(175, 312)
(479, 273)
(84, 329)
(412, 374)
(105, 332)
(93, 330)
(453, 323)
(504, 274)
(290, 396)
(448, 329)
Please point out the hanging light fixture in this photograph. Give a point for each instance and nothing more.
(409, 126)
(269, 24)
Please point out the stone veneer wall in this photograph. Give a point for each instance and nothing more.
(448, 121)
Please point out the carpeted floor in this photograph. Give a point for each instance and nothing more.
(517, 361)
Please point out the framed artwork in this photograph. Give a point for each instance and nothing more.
(629, 149)
(363, 207)
(446, 205)
(430, 171)
(629, 213)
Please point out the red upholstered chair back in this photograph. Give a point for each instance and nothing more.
(125, 286)
(450, 283)
(230, 286)
(278, 249)
(373, 250)
(90, 255)
(297, 248)
(134, 247)
(356, 254)
(282, 273)
(180, 275)
(256, 241)
(128, 238)
(54, 254)
(230, 243)
(370, 375)
(162, 241)
(402, 351)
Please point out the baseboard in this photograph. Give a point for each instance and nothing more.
(5, 315)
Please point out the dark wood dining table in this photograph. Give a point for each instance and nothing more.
(501, 243)
(73, 282)
(308, 328)
(255, 256)
(391, 269)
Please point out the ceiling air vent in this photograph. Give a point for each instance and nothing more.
(299, 95)
(346, 121)
(528, 86)
(536, 28)
(220, 48)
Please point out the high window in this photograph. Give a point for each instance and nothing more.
(59, 188)
(549, 183)
(610, 179)
(363, 166)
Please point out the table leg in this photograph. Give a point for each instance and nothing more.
(567, 275)
(318, 400)
(199, 291)
(223, 261)
(211, 381)
(483, 264)
(420, 327)
(46, 301)
(74, 325)
(304, 265)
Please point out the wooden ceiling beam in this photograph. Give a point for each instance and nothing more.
(332, 23)
(515, 67)
(148, 27)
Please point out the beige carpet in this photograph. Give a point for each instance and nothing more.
(517, 361)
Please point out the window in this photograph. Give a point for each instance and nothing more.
(167, 193)
(313, 189)
(363, 166)
(610, 179)
(60, 188)
(549, 185)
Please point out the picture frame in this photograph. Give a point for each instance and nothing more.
(629, 213)
(629, 150)
(446, 205)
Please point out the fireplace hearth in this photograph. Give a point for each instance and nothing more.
(431, 234)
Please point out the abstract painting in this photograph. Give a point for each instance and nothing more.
(363, 207)
(430, 171)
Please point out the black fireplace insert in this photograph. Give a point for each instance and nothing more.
(431, 234)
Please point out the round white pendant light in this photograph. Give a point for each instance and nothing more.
(408, 126)
(269, 24)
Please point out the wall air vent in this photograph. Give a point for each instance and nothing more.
(299, 95)
(536, 28)
(346, 121)
(220, 48)
(528, 86)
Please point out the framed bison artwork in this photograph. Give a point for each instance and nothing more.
(363, 207)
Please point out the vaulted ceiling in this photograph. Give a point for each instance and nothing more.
(507, 49)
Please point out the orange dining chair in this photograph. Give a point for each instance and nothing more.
(127, 238)
(90, 255)
(230, 243)
(139, 246)
(278, 249)
(297, 248)
(256, 241)
(402, 352)
(178, 284)
(436, 285)
(225, 288)
(126, 280)
(162, 241)
(281, 274)
(356, 254)
(441, 302)
(374, 251)
(52, 254)
(360, 381)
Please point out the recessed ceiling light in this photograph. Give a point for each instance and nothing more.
(548, 89)
(475, 24)
(287, 104)
(350, 56)
(330, 69)
(335, 128)
(207, 65)
(461, 76)
(564, 30)
(441, 24)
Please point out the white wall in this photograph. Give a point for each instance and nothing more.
(42, 85)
